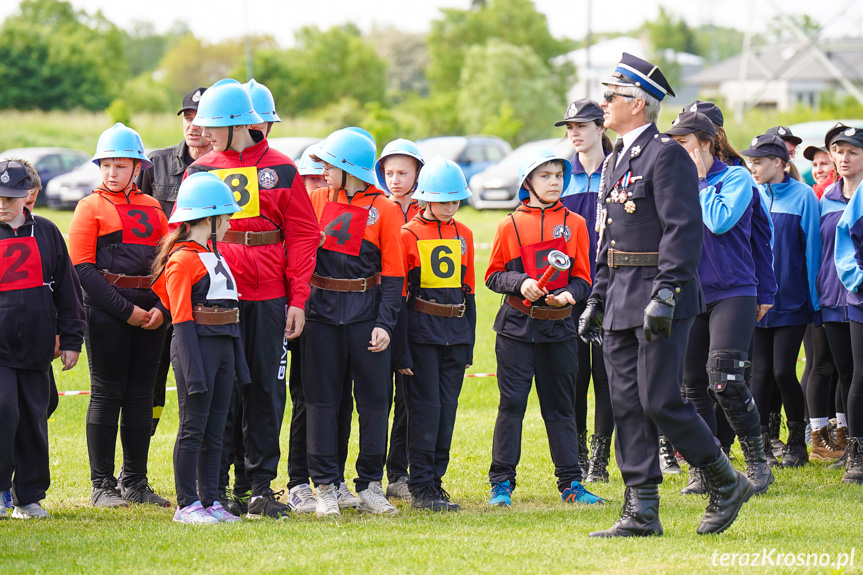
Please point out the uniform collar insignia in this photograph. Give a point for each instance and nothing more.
(634, 151)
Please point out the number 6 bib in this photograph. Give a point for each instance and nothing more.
(344, 226)
(441, 263)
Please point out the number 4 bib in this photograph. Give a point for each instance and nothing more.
(441, 263)
(244, 183)
(344, 226)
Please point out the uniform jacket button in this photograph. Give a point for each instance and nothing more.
(609, 221)
(613, 243)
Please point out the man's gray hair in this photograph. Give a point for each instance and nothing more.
(651, 104)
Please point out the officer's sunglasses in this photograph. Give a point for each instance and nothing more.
(608, 96)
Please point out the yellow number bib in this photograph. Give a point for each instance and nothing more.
(441, 263)
(244, 183)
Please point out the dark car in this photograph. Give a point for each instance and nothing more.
(497, 186)
(473, 154)
(49, 162)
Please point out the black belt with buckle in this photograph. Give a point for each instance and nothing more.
(637, 259)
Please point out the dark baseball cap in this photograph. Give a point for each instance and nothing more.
(707, 108)
(853, 136)
(584, 110)
(767, 145)
(14, 180)
(810, 151)
(785, 134)
(833, 132)
(689, 122)
(190, 100)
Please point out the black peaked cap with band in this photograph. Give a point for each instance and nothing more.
(633, 71)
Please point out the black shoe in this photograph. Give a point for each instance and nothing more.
(444, 496)
(583, 455)
(667, 459)
(639, 516)
(854, 466)
(696, 483)
(268, 506)
(840, 463)
(143, 493)
(757, 469)
(230, 505)
(600, 447)
(795, 454)
(426, 497)
(729, 490)
(768, 453)
(106, 494)
(776, 445)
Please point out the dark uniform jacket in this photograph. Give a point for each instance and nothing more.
(162, 180)
(661, 213)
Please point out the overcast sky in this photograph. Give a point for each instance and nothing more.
(216, 20)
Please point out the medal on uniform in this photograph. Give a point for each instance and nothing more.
(629, 206)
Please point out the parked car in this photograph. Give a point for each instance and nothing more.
(292, 147)
(497, 186)
(473, 154)
(63, 192)
(813, 135)
(49, 162)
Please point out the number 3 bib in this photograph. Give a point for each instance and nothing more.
(534, 258)
(441, 263)
(344, 226)
(244, 183)
(20, 264)
(141, 224)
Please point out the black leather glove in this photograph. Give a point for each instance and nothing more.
(657, 318)
(590, 323)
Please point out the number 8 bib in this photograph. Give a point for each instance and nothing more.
(441, 263)
(244, 183)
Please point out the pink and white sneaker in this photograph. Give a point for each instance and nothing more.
(216, 510)
(194, 514)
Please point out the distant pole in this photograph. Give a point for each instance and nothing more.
(588, 42)
(250, 67)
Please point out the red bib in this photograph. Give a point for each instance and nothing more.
(20, 264)
(534, 258)
(344, 226)
(141, 224)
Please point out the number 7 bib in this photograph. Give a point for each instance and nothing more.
(441, 263)
(344, 226)
(244, 183)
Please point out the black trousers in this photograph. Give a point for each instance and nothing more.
(123, 363)
(591, 367)
(162, 379)
(645, 380)
(854, 409)
(774, 358)
(432, 400)
(298, 464)
(553, 366)
(397, 454)
(329, 353)
(198, 449)
(818, 391)
(839, 340)
(233, 449)
(264, 400)
(24, 396)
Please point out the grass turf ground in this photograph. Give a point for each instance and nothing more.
(806, 511)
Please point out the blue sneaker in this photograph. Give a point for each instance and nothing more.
(6, 499)
(576, 493)
(501, 494)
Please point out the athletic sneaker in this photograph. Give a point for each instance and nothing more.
(301, 499)
(501, 494)
(3, 514)
(107, 495)
(267, 505)
(328, 501)
(398, 489)
(6, 499)
(30, 511)
(345, 497)
(230, 505)
(373, 500)
(426, 497)
(445, 497)
(576, 493)
(216, 510)
(144, 494)
(194, 514)
(242, 500)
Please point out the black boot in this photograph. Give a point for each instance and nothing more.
(757, 469)
(583, 455)
(729, 490)
(776, 445)
(639, 516)
(696, 483)
(600, 448)
(854, 465)
(840, 463)
(667, 459)
(795, 450)
(768, 453)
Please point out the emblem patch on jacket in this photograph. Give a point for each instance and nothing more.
(268, 178)
(562, 231)
(373, 215)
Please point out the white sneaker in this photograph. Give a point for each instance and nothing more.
(346, 498)
(30, 511)
(372, 500)
(328, 503)
(301, 499)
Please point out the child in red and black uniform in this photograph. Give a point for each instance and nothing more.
(538, 341)
(357, 291)
(113, 238)
(271, 249)
(39, 296)
(197, 286)
(441, 327)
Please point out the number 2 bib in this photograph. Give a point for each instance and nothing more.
(20, 264)
(534, 258)
(441, 263)
(344, 226)
(141, 224)
(222, 284)
(244, 183)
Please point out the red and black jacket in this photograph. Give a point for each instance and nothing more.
(39, 295)
(447, 278)
(362, 241)
(118, 233)
(275, 270)
(532, 233)
(414, 208)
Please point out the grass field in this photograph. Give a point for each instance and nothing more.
(806, 511)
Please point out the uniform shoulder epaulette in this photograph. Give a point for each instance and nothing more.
(663, 139)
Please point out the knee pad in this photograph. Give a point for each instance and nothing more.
(726, 369)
